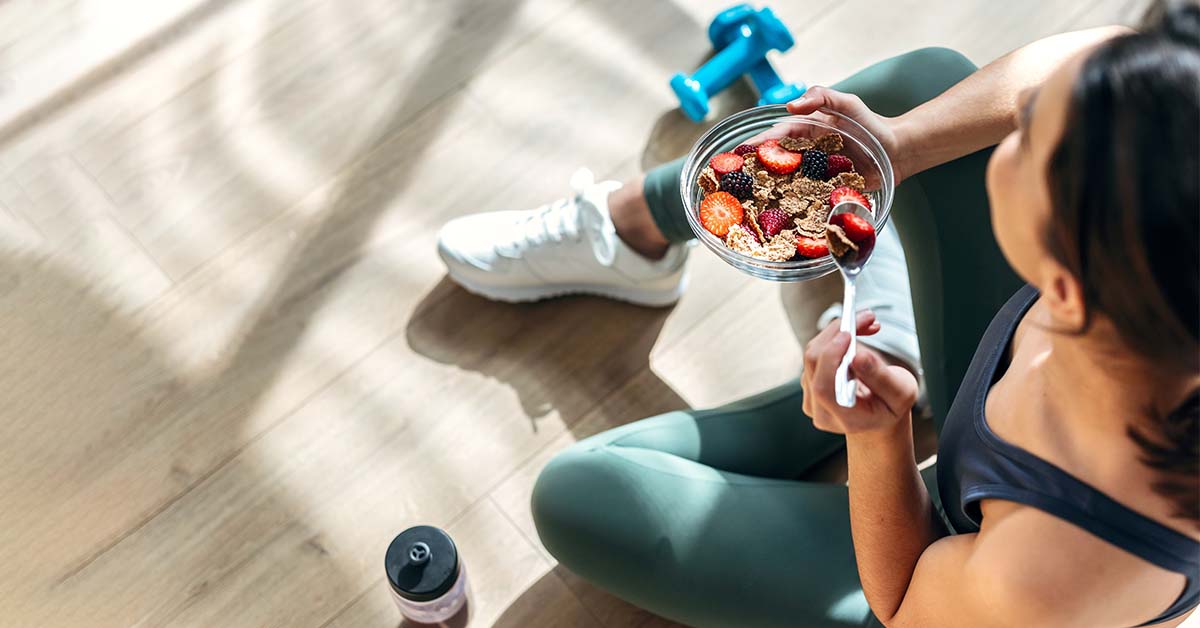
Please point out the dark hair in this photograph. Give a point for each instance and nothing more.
(1125, 190)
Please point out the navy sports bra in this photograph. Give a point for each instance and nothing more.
(975, 464)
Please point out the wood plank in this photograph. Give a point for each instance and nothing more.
(232, 151)
(16, 230)
(1104, 12)
(75, 217)
(50, 46)
(981, 30)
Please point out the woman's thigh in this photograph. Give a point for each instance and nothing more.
(764, 435)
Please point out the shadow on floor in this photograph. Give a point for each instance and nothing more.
(563, 355)
(561, 599)
(674, 133)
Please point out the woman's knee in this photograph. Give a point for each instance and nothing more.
(581, 505)
(944, 67)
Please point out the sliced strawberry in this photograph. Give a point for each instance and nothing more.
(856, 227)
(837, 164)
(777, 159)
(811, 247)
(719, 211)
(848, 194)
(725, 163)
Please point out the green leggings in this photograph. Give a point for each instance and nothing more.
(698, 515)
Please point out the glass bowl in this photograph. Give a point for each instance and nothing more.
(860, 146)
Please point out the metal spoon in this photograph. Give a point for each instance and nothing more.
(850, 258)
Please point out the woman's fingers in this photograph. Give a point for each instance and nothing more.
(828, 357)
(866, 323)
(821, 96)
(822, 356)
(893, 386)
(792, 129)
(806, 405)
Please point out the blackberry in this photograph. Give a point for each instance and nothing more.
(814, 164)
(737, 183)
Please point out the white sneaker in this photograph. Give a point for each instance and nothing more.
(567, 247)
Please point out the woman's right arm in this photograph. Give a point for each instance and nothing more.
(974, 114)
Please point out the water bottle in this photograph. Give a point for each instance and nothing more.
(425, 574)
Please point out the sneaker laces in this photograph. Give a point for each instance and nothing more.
(553, 223)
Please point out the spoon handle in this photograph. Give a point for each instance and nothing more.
(844, 388)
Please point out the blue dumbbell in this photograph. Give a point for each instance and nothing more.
(742, 36)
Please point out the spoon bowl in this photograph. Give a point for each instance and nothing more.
(850, 256)
(850, 234)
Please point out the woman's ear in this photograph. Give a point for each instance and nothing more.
(1063, 296)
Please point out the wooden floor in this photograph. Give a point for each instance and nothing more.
(230, 363)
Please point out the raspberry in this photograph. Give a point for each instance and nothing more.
(744, 149)
(772, 221)
(738, 184)
(814, 164)
(837, 164)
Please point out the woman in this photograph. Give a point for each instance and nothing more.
(1068, 463)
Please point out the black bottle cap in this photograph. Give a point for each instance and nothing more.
(421, 564)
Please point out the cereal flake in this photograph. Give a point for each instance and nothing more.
(751, 219)
(791, 203)
(839, 242)
(811, 187)
(741, 241)
(812, 222)
(851, 180)
(781, 248)
(831, 143)
(796, 144)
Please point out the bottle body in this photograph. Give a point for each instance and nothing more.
(439, 609)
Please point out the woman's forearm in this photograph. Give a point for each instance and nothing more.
(892, 519)
(981, 109)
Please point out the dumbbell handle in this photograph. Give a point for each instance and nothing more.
(730, 63)
(771, 89)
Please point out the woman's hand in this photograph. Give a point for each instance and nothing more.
(818, 100)
(851, 106)
(886, 393)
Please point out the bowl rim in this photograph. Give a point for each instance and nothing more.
(792, 270)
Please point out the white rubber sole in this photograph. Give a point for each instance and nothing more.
(649, 298)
